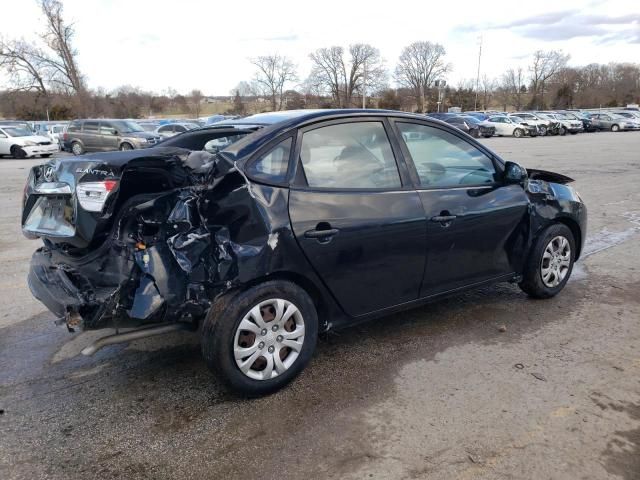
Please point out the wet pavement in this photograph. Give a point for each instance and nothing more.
(486, 385)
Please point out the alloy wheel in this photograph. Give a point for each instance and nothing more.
(556, 261)
(269, 339)
(76, 148)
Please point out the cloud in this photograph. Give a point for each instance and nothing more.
(568, 24)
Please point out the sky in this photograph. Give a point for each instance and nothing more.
(187, 44)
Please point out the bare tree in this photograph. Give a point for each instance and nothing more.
(274, 72)
(58, 36)
(341, 76)
(544, 66)
(420, 64)
(24, 67)
(512, 83)
(488, 86)
(196, 98)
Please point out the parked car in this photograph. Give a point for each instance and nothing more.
(587, 125)
(508, 126)
(149, 126)
(20, 142)
(321, 220)
(211, 139)
(570, 123)
(55, 132)
(613, 122)
(630, 115)
(543, 124)
(171, 129)
(472, 126)
(105, 134)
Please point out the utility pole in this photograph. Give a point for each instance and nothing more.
(364, 87)
(475, 104)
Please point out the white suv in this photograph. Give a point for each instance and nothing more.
(22, 143)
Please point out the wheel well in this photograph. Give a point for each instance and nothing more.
(575, 230)
(302, 282)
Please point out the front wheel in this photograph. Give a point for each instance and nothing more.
(543, 131)
(259, 340)
(19, 153)
(45, 155)
(518, 133)
(550, 263)
(615, 128)
(474, 132)
(126, 146)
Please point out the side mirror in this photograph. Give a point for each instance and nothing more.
(514, 173)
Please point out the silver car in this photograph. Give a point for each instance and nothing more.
(613, 121)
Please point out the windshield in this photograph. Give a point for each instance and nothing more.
(565, 116)
(517, 119)
(17, 132)
(128, 127)
(470, 119)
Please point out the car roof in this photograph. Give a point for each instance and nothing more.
(284, 121)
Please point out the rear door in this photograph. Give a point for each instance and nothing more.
(355, 215)
(90, 135)
(474, 222)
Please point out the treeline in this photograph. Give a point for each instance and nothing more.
(45, 80)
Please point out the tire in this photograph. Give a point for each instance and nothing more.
(77, 148)
(126, 146)
(222, 337)
(518, 133)
(475, 133)
(615, 128)
(17, 152)
(573, 133)
(45, 155)
(563, 131)
(540, 263)
(487, 136)
(543, 131)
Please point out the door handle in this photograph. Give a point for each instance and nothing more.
(321, 234)
(443, 218)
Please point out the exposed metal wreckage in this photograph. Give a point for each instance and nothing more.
(163, 261)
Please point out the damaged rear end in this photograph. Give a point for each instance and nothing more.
(125, 241)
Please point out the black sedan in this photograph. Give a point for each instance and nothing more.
(311, 221)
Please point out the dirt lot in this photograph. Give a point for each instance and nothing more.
(437, 392)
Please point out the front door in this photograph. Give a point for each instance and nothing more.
(475, 223)
(109, 136)
(360, 225)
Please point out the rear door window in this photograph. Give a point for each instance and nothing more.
(91, 127)
(349, 155)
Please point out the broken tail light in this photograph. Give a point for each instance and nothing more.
(92, 196)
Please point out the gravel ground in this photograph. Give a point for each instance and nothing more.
(486, 385)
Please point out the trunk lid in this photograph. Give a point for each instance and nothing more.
(71, 200)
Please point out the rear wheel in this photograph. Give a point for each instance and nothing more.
(518, 132)
(258, 340)
(550, 263)
(76, 148)
(17, 152)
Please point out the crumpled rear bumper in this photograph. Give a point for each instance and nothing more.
(52, 286)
